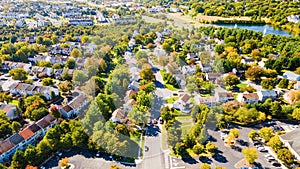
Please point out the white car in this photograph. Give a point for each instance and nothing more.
(98, 154)
(294, 126)
(268, 155)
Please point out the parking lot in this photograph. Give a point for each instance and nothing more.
(229, 156)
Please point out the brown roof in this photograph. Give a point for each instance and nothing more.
(75, 103)
(34, 127)
(7, 107)
(49, 118)
(250, 95)
(5, 146)
(67, 108)
(207, 99)
(26, 133)
(43, 123)
(185, 97)
(225, 94)
(118, 113)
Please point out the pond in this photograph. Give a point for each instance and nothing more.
(265, 29)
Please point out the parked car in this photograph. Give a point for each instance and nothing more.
(98, 154)
(294, 126)
(154, 121)
(262, 149)
(161, 121)
(275, 163)
(268, 155)
(59, 154)
(146, 148)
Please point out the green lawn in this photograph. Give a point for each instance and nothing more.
(171, 100)
(186, 123)
(241, 85)
(168, 86)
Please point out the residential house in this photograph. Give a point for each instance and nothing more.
(128, 94)
(6, 150)
(212, 76)
(46, 123)
(209, 101)
(265, 94)
(180, 80)
(18, 141)
(191, 56)
(291, 76)
(183, 103)
(81, 21)
(134, 86)
(189, 70)
(78, 103)
(28, 89)
(67, 111)
(10, 111)
(291, 141)
(205, 67)
(128, 105)
(19, 23)
(222, 97)
(118, 115)
(248, 98)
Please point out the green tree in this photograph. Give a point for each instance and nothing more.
(296, 114)
(147, 74)
(16, 126)
(205, 166)
(79, 77)
(140, 55)
(47, 82)
(268, 83)
(18, 160)
(284, 83)
(66, 76)
(137, 116)
(84, 39)
(250, 155)
(234, 132)
(275, 143)
(254, 73)
(166, 114)
(198, 149)
(75, 53)
(266, 133)
(211, 147)
(57, 66)
(70, 63)
(252, 134)
(18, 74)
(31, 156)
(286, 156)
(231, 80)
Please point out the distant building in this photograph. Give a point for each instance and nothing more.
(291, 76)
(291, 141)
(293, 18)
(81, 21)
(183, 103)
(248, 98)
(20, 23)
(266, 94)
(10, 111)
(223, 97)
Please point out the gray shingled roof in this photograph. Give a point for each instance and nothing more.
(293, 138)
(16, 139)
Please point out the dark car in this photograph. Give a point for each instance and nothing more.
(146, 148)
(161, 121)
(205, 159)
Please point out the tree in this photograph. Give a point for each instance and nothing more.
(141, 54)
(296, 114)
(284, 83)
(147, 74)
(205, 166)
(64, 162)
(18, 160)
(266, 133)
(166, 114)
(31, 156)
(70, 63)
(55, 39)
(18, 74)
(268, 83)
(114, 166)
(286, 156)
(84, 39)
(75, 53)
(231, 80)
(16, 126)
(198, 149)
(254, 73)
(211, 147)
(79, 77)
(47, 82)
(250, 155)
(234, 132)
(137, 116)
(57, 66)
(66, 76)
(275, 143)
(252, 134)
